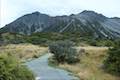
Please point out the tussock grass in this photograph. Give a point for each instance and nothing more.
(90, 66)
(23, 51)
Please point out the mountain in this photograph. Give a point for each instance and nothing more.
(86, 23)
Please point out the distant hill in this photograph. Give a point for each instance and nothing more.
(86, 23)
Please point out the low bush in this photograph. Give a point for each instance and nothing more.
(64, 52)
(11, 69)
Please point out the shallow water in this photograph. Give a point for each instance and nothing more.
(43, 71)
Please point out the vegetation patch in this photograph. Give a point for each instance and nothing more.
(45, 38)
(24, 51)
(12, 69)
(112, 63)
(91, 64)
(64, 52)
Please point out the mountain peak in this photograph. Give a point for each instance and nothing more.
(88, 11)
(91, 13)
(91, 16)
(36, 13)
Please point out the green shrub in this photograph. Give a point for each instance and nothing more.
(11, 69)
(112, 63)
(13, 38)
(64, 52)
(93, 42)
(101, 42)
(35, 56)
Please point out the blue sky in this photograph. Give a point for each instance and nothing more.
(13, 9)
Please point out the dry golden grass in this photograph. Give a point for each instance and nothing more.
(24, 51)
(89, 67)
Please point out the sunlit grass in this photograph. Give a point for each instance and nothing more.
(23, 51)
(90, 66)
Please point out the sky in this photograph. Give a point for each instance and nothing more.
(10, 10)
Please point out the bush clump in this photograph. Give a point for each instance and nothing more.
(112, 63)
(11, 69)
(64, 52)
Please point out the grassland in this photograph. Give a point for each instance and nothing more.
(23, 51)
(90, 66)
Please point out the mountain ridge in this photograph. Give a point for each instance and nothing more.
(86, 22)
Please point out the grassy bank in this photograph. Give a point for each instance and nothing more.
(90, 66)
(24, 51)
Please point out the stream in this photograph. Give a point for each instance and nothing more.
(43, 71)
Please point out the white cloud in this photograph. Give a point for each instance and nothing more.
(12, 9)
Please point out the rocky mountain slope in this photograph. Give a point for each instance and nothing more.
(86, 22)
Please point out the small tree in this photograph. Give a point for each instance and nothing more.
(64, 52)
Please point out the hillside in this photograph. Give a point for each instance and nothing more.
(86, 23)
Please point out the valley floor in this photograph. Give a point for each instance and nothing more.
(89, 67)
